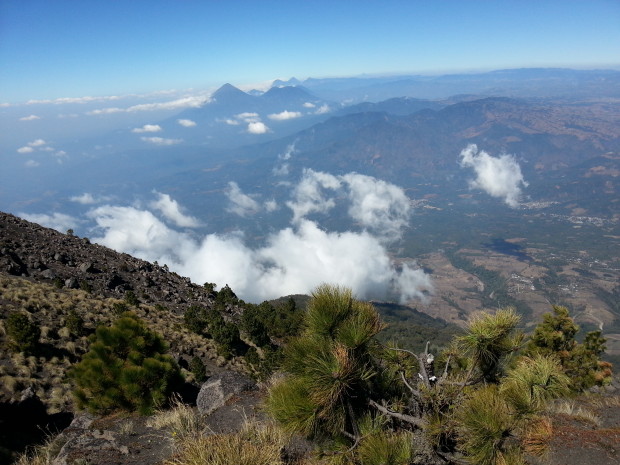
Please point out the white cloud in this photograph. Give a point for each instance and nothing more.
(497, 176)
(293, 260)
(232, 122)
(80, 100)
(58, 221)
(171, 210)
(310, 197)
(309, 105)
(193, 101)
(283, 168)
(378, 205)
(140, 233)
(147, 128)
(161, 140)
(37, 143)
(271, 205)
(280, 170)
(257, 128)
(25, 149)
(105, 111)
(284, 115)
(84, 199)
(30, 118)
(248, 117)
(374, 204)
(31, 164)
(323, 109)
(239, 203)
(188, 123)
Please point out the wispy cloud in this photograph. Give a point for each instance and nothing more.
(171, 210)
(25, 149)
(497, 176)
(161, 140)
(88, 199)
(31, 164)
(188, 123)
(284, 115)
(30, 118)
(147, 128)
(240, 203)
(37, 143)
(80, 100)
(293, 260)
(58, 221)
(193, 101)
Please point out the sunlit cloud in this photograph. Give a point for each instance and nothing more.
(147, 128)
(30, 118)
(293, 260)
(58, 221)
(309, 105)
(172, 211)
(84, 199)
(497, 176)
(193, 101)
(248, 117)
(258, 127)
(240, 203)
(284, 115)
(25, 149)
(37, 143)
(323, 109)
(161, 141)
(188, 123)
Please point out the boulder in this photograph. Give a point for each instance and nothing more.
(218, 389)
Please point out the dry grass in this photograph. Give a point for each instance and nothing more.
(49, 308)
(579, 412)
(182, 420)
(255, 444)
(43, 454)
(537, 436)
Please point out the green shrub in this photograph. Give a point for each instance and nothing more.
(131, 299)
(75, 323)
(555, 336)
(198, 369)
(23, 334)
(125, 368)
(118, 308)
(195, 319)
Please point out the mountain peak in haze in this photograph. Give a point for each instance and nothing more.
(291, 82)
(227, 90)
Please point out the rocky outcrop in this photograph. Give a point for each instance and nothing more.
(34, 252)
(219, 389)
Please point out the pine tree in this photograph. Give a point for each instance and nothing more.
(555, 336)
(125, 368)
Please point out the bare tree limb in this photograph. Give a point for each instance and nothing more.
(404, 350)
(415, 392)
(419, 422)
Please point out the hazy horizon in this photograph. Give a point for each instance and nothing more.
(55, 50)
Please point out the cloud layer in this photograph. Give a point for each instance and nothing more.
(498, 176)
(293, 260)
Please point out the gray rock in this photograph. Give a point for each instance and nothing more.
(71, 283)
(86, 267)
(218, 389)
(48, 274)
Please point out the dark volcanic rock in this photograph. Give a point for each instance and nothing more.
(30, 250)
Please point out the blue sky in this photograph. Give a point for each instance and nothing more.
(55, 48)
